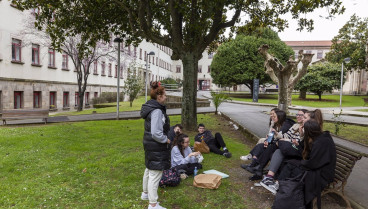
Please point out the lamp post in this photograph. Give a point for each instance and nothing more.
(151, 53)
(118, 40)
(346, 60)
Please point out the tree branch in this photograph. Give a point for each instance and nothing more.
(272, 65)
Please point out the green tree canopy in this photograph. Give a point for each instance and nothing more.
(321, 77)
(351, 42)
(239, 62)
(186, 27)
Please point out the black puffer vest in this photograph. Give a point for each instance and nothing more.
(157, 155)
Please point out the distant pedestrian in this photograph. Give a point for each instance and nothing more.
(155, 143)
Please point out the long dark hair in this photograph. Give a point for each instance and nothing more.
(312, 130)
(281, 117)
(317, 115)
(273, 109)
(178, 141)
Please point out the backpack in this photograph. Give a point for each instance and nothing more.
(170, 178)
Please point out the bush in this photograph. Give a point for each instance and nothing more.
(107, 97)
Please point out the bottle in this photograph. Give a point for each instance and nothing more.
(195, 171)
(270, 137)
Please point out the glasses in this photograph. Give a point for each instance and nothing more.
(299, 115)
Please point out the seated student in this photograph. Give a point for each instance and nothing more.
(261, 140)
(289, 140)
(214, 143)
(173, 132)
(263, 152)
(182, 157)
(319, 159)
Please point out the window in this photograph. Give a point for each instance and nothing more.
(210, 55)
(110, 73)
(209, 69)
(135, 51)
(319, 54)
(86, 98)
(116, 71)
(140, 53)
(95, 95)
(51, 57)
(145, 55)
(199, 68)
(149, 59)
(103, 68)
(178, 69)
(18, 99)
(35, 54)
(37, 99)
(308, 52)
(153, 60)
(156, 61)
(16, 50)
(52, 99)
(76, 99)
(65, 99)
(95, 67)
(121, 71)
(65, 61)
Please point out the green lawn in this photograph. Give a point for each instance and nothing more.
(123, 106)
(100, 164)
(350, 132)
(362, 110)
(311, 101)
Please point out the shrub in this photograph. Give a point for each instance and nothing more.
(107, 97)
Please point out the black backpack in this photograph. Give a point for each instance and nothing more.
(170, 178)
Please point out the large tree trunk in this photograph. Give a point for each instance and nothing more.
(302, 94)
(189, 99)
(283, 92)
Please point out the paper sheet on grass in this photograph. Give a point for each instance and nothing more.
(223, 175)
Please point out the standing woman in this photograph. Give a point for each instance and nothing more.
(155, 143)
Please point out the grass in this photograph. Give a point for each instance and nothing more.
(311, 100)
(123, 106)
(78, 165)
(351, 132)
(362, 110)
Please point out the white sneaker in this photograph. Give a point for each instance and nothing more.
(158, 206)
(246, 157)
(144, 196)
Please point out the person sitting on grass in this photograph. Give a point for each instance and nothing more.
(214, 143)
(265, 151)
(173, 132)
(261, 140)
(182, 157)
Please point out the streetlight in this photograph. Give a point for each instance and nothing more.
(151, 53)
(346, 60)
(118, 40)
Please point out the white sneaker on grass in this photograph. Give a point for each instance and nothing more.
(158, 206)
(144, 196)
(270, 184)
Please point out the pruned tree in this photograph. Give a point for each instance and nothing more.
(186, 27)
(285, 76)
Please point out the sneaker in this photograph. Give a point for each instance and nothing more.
(183, 176)
(158, 206)
(246, 157)
(257, 184)
(227, 154)
(270, 184)
(144, 196)
(255, 177)
(251, 169)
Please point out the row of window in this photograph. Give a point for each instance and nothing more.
(319, 53)
(178, 69)
(37, 99)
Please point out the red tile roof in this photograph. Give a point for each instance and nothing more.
(309, 43)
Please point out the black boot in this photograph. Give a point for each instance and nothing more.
(257, 174)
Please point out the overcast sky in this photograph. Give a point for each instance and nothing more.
(325, 29)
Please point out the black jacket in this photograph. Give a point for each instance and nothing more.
(157, 155)
(287, 125)
(320, 163)
(206, 136)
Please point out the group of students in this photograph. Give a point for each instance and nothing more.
(294, 149)
(167, 147)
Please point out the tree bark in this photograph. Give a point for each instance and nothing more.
(302, 94)
(189, 99)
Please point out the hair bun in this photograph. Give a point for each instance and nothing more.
(154, 85)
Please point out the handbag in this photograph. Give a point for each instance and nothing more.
(207, 181)
(202, 147)
(291, 193)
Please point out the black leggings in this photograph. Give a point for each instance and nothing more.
(216, 143)
(189, 168)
